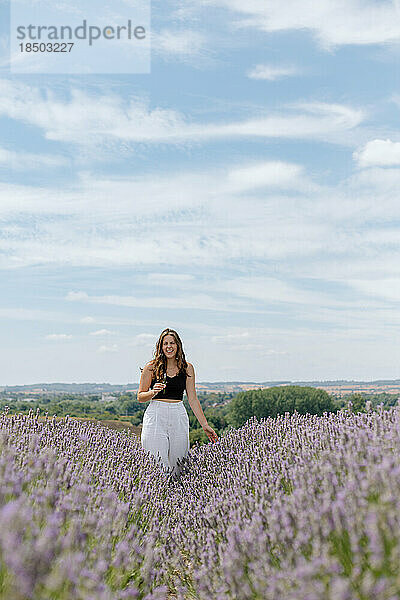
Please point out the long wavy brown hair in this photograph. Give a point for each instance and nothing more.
(159, 362)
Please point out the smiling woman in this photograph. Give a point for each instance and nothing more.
(165, 432)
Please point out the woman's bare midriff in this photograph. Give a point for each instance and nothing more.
(166, 400)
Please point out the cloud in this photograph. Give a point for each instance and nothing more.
(77, 296)
(181, 43)
(144, 340)
(102, 332)
(31, 314)
(25, 160)
(385, 181)
(228, 337)
(84, 118)
(88, 120)
(334, 23)
(387, 288)
(103, 349)
(168, 278)
(267, 212)
(300, 120)
(189, 301)
(378, 153)
(267, 174)
(58, 336)
(297, 252)
(246, 341)
(100, 234)
(87, 320)
(318, 299)
(274, 290)
(272, 72)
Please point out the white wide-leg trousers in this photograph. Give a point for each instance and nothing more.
(165, 434)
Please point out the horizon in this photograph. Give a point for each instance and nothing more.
(204, 382)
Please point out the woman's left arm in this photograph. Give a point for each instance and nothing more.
(195, 404)
(192, 396)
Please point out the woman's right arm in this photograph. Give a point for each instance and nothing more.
(144, 393)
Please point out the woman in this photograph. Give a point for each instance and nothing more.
(165, 432)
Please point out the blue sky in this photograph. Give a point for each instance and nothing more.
(245, 193)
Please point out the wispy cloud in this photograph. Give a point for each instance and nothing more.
(223, 213)
(85, 320)
(273, 72)
(182, 44)
(169, 277)
(24, 160)
(143, 340)
(387, 288)
(105, 235)
(32, 314)
(268, 174)
(189, 301)
(273, 290)
(102, 332)
(104, 348)
(229, 337)
(58, 336)
(333, 23)
(84, 120)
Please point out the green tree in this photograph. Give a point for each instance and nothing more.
(198, 435)
(273, 401)
(358, 402)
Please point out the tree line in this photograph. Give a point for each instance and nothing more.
(230, 410)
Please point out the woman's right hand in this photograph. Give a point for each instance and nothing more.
(158, 387)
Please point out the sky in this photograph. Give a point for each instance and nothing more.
(244, 192)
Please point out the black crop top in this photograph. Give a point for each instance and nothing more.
(175, 386)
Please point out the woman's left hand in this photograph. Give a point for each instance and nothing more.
(212, 436)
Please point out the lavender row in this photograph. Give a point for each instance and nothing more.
(72, 524)
(299, 507)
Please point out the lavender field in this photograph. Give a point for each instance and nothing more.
(299, 507)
